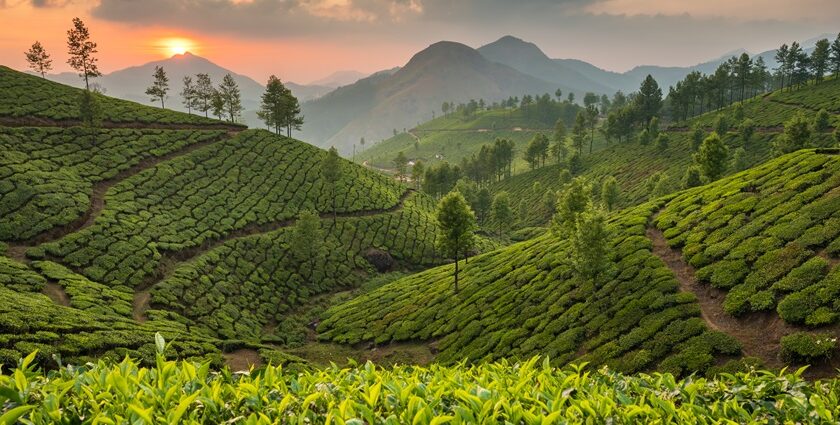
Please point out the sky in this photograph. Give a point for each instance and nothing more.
(305, 40)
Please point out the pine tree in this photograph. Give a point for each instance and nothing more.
(835, 56)
(456, 228)
(159, 87)
(38, 58)
(273, 105)
(782, 58)
(81, 51)
(231, 98)
(649, 99)
(820, 57)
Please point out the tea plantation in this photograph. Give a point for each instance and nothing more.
(769, 236)
(32, 100)
(530, 392)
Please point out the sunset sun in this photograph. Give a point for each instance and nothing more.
(177, 46)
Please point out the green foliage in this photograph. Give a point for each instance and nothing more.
(609, 193)
(804, 347)
(193, 393)
(692, 177)
(712, 156)
(822, 121)
(502, 212)
(797, 135)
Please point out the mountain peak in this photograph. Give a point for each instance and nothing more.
(513, 47)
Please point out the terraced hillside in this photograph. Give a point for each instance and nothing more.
(768, 233)
(111, 234)
(632, 163)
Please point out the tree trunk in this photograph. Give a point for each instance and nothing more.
(456, 272)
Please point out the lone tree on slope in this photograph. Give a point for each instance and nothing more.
(457, 223)
(81, 51)
(159, 87)
(38, 58)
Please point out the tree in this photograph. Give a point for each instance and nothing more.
(573, 201)
(711, 157)
(835, 56)
(188, 95)
(231, 98)
(590, 243)
(559, 130)
(502, 212)
(273, 104)
(662, 141)
(456, 226)
(609, 192)
(591, 121)
(159, 87)
(306, 240)
(579, 131)
(362, 140)
(822, 121)
(747, 129)
(417, 172)
(81, 51)
(38, 58)
(797, 135)
(204, 92)
(90, 113)
(549, 204)
(400, 165)
(782, 55)
(331, 173)
(692, 177)
(649, 99)
(721, 125)
(820, 57)
(217, 104)
(739, 159)
(537, 150)
(483, 203)
(697, 136)
(293, 119)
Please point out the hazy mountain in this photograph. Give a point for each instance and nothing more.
(445, 71)
(131, 83)
(339, 78)
(529, 59)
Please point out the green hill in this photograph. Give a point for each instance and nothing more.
(633, 164)
(768, 233)
(110, 234)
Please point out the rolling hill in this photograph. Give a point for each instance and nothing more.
(160, 221)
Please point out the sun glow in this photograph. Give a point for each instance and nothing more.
(177, 46)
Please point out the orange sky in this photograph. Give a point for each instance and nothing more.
(305, 40)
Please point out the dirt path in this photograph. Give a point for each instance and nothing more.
(759, 333)
(17, 250)
(243, 359)
(170, 260)
(140, 305)
(57, 294)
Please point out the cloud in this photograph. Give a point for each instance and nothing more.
(40, 4)
(744, 10)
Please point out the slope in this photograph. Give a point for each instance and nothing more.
(112, 234)
(772, 228)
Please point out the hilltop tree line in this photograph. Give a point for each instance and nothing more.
(541, 108)
(743, 77)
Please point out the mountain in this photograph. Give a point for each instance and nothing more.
(339, 78)
(131, 83)
(445, 71)
(529, 59)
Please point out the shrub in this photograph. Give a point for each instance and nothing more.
(805, 347)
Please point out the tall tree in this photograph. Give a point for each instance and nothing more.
(590, 243)
(232, 98)
(782, 55)
(188, 94)
(204, 93)
(712, 157)
(81, 51)
(502, 212)
(306, 240)
(579, 131)
(417, 174)
(819, 59)
(649, 99)
(591, 121)
(456, 226)
(835, 56)
(609, 192)
(574, 200)
(217, 104)
(400, 164)
(159, 87)
(273, 104)
(331, 173)
(38, 59)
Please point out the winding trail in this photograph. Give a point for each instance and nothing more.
(171, 259)
(758, 333)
